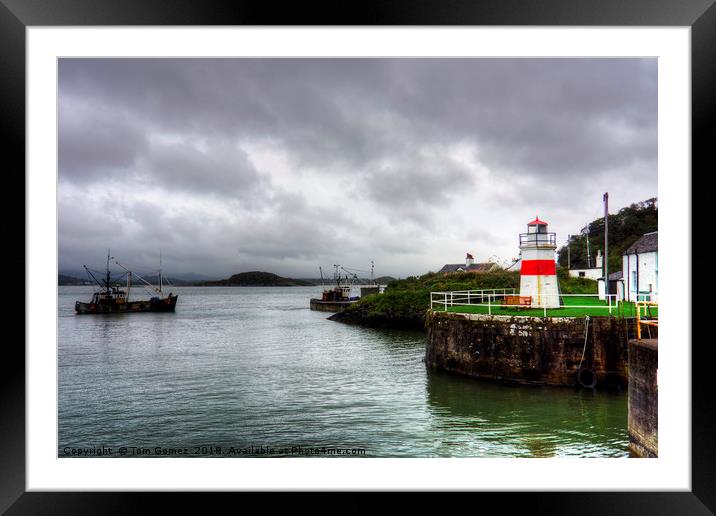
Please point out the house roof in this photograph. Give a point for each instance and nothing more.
(616, 275)
(646, 243)
(475, 267)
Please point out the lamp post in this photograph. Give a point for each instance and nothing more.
(606, 243)
(585, 232)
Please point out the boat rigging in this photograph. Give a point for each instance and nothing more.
(338, 296)
(112, 299)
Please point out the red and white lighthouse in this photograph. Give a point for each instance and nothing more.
(538, 273)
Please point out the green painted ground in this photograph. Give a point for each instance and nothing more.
(596, 307)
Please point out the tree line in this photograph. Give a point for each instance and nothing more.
(625, 227)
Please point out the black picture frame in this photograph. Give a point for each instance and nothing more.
(16, 15)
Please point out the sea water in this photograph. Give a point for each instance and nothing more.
(244, 371)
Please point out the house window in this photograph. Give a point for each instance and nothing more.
(581, 274)
(633, 280)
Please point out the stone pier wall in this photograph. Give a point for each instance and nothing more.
(329, 306)
(643, 398)
(531, 349)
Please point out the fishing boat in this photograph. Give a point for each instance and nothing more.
(337, 297)
(110, 299)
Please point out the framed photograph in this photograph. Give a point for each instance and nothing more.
(415, 250)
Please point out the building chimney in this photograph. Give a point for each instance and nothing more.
(469, 260)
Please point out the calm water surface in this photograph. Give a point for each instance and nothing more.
(252, 367)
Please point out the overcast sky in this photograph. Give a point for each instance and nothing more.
(282, 165)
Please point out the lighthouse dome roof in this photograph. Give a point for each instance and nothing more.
(537, 222)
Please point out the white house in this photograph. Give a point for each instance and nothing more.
(594, 273)
(640, 269)
(616, 285)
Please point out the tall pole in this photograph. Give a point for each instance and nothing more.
(108, 276)
(589, 260)
(160, 270)
(585, 232)
(606, 243)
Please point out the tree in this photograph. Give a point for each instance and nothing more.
(625, 227)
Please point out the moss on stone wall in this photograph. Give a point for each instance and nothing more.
(529, 349)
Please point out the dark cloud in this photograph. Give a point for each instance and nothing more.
(411, 188)
(187, 152)
(219, 169)
(95, 141)
(542, 115)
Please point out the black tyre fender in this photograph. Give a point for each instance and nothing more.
(586, 377)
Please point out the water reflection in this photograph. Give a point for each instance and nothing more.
(526, 421)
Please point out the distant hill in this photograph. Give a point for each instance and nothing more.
(385, 280)
(256, 279)
(72, 277)
(154, 280)
(63, 279)
(625, 227)
(192, 277)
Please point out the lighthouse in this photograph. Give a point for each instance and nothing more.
(538, 274)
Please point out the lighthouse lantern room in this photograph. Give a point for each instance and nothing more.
(538, 273)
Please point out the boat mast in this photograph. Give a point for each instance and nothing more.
(108, 277)
(92, 275)
(141, 279)
(337, 274)
(160, 271)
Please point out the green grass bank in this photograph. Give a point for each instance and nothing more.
(405, 303)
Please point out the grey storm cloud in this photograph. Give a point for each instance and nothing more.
(231, 163)
(410, 189)
(220, 170)
(95, 141)
(546, 112)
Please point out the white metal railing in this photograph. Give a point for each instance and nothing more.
(538, 239)
(489, 299)
(468, 297)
